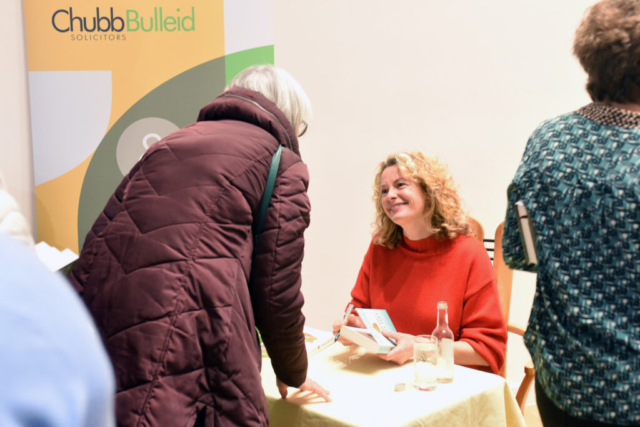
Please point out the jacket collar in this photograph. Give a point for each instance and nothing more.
(252, 107)
(608, 115)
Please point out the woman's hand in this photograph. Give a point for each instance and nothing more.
(308, 385)
(353, 320)
(403, 350)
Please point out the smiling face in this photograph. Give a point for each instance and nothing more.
(402, 199)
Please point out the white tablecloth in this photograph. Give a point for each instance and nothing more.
(362, 388)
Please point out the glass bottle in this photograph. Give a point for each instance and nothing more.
(445, 344)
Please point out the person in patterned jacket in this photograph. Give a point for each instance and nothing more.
(579, 180)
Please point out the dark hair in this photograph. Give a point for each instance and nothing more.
(608, 46)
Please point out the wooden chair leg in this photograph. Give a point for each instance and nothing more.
(525, 386)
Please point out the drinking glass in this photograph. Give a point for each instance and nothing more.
(425, 362)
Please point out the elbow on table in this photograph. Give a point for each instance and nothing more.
(477, 355)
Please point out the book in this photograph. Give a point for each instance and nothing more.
(315, 340)
(371, 337)
(527, 233)
(55, 259)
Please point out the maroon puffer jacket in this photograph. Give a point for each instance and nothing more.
(167, 272)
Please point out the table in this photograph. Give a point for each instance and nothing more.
(362, 389)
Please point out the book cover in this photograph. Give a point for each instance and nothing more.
(371, 338)
(55, 259)
(527, 233)
(315, 340)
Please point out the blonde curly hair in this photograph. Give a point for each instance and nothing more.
(443, 214)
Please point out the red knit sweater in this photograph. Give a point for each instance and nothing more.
(408, 282)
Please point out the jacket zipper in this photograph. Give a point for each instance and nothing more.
(266, 111)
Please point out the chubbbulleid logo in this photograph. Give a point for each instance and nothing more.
(111, 26)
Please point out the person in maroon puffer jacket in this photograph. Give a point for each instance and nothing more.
(168, 274)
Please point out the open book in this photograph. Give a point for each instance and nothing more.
(315, 340)
(371, 338)
(55, 259)
(527, 233)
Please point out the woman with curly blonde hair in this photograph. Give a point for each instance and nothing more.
(444, 217)
(421, 253)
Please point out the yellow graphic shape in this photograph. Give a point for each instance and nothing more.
(57, 208)
(180, 36)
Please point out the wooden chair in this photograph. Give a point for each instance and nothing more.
(476, 228)
(505, 281)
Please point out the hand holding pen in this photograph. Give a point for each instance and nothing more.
(344, 321)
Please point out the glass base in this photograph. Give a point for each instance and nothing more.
(427, 388)
(445, 380)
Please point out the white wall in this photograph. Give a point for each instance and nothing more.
(465, 80)
(15, 143)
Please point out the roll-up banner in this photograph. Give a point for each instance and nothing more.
(109, 78)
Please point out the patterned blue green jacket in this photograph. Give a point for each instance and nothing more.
(579, 179)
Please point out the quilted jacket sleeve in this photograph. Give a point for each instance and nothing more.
(79, 273)
(275, 276)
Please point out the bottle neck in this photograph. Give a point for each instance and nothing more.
(443, 317)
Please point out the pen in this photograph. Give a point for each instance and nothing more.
(346, 316)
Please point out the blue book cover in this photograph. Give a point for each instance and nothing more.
(376, 321)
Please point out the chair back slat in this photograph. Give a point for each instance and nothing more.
(503, 273)
(489, 245)
(505, 282)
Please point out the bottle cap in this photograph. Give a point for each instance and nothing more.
(442, 305)
(399, 387)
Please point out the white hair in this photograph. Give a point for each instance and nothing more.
(278, 87)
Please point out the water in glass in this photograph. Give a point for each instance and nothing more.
(425, 360)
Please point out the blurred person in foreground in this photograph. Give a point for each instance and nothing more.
(579, 180)
(422, 252)
(54, 370)
(167, 269)
(12, 221)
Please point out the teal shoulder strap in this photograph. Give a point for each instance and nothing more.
(266, 196)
